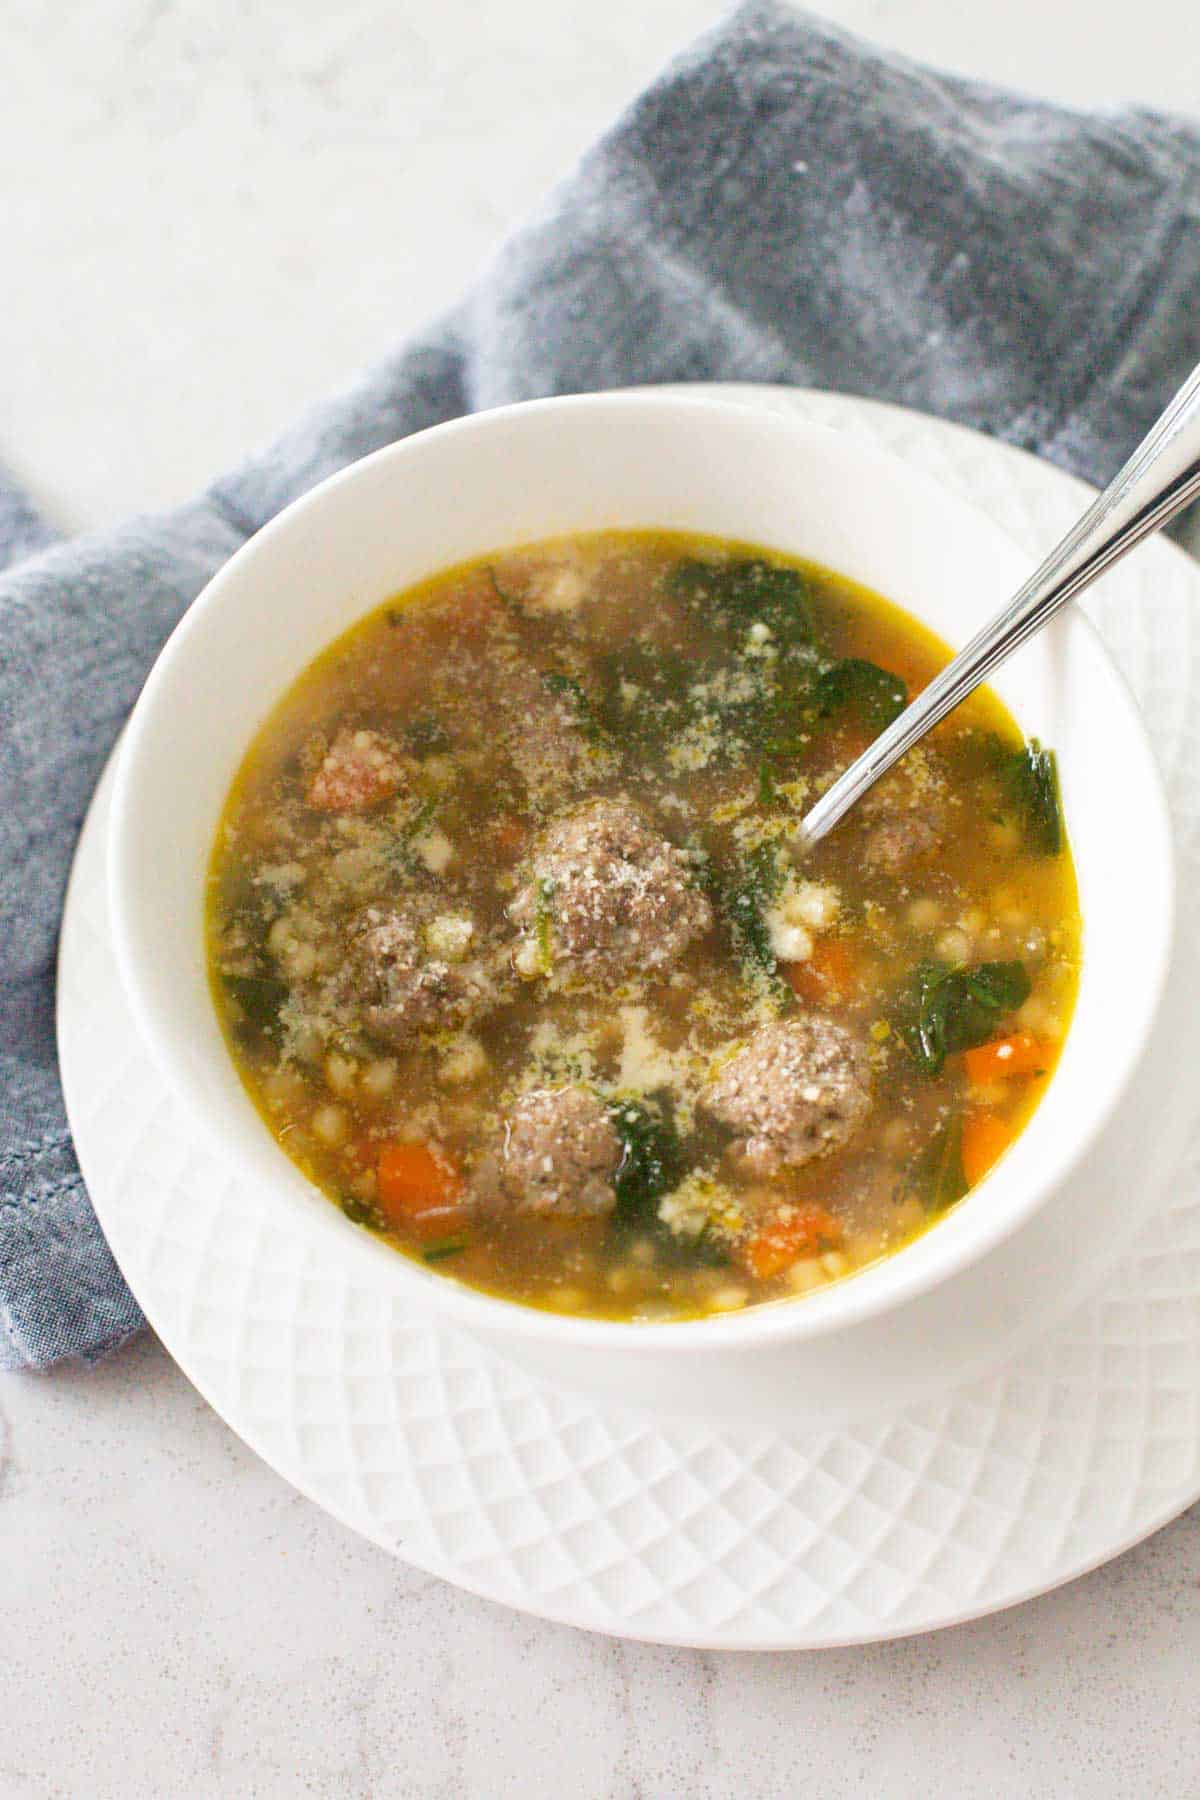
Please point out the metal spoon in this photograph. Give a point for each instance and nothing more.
(1158, 481)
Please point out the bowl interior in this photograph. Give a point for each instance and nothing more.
(625, 461)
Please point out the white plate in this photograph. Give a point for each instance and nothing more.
(966, 1493)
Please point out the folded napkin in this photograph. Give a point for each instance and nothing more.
(785, 204)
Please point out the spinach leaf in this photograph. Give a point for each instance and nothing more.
(948, 1009)
(874, 695)
(1029, 779)
(744, 901)
(439, 1252)
(566, 687)
(651, 1161)
(650, 696)
(937, 1177)
(747, 589)
(653, 1164)
(359, 1212)
(400, 850)
(645, 697)
(775, 720)
(543, 932)
(421, 820)
(427, 734)
(259, 998)
(708, 1251)
(788, 725)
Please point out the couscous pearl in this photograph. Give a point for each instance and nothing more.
(465, 1062)
(1037, 1016)
(306, 1045)
(330, 1124)
(924, 914)
(340, 1072)
(805, 1275)
(280, 937)
(379, 1078)
(299, 959)
(954, 946)
(283, 1088)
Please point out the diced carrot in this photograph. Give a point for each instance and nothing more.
(985, 1138)
(360, 769)
(419, 1188)
(509, 835)
(829, 973)
(797, 1232)
(1019, 1054)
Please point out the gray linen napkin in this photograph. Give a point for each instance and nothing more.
(785, 204)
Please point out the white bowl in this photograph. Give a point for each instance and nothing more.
(585, 464)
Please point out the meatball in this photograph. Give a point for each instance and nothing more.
(608, 898)
(797, 1090)
(560, 1155)
(549, 735)
(896, 843)
(360, 769)
(399, 987)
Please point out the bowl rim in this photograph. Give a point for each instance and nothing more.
(892, 1281)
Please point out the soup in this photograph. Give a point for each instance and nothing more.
(516, 953)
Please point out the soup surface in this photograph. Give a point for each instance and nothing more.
(515, 952)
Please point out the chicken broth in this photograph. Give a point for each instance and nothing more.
(515, 952)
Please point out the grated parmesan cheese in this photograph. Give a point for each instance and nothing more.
(435, 851)
(464, 1061)
(644, 1062)
(557, 591)
(696, 747)
(280, 877)
(647, 1067)
(700, 1203)
(449, 936)
(791, 943)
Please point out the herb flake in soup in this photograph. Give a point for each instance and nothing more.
(515, 954)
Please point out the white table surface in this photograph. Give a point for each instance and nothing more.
(210, 211)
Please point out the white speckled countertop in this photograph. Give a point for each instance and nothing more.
(211, 209)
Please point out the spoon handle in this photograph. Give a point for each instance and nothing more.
(1158, 481)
